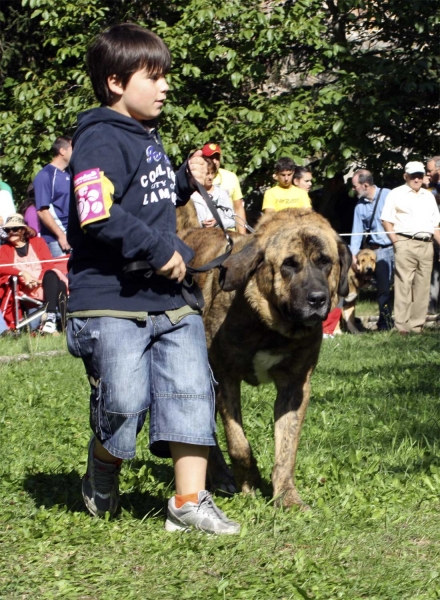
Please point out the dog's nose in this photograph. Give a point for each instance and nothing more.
(316, 299)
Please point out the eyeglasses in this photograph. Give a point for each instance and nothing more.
(13, 229)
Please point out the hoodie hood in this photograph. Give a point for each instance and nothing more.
(103, 114)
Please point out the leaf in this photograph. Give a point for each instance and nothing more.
(337, 127)
(236, 78)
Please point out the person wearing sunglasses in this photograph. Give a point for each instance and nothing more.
(39, 275)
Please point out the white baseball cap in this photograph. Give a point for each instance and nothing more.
(414, 167)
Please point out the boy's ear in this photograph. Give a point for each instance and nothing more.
(275, 176)
(115, 85)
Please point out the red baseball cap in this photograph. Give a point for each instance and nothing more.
(210, 149)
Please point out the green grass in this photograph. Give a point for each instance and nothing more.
(368, 465)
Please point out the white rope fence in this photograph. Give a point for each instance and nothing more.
(66, 258)
(385, 233)
(36, 262)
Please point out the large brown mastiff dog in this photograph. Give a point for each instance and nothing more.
(266, 325)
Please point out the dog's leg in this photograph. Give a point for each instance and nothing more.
(220, 476)
(244, 464)
(290, 410)
(349, 314)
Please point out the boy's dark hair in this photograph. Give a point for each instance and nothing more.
(211, 164)
(284, 164)
(63, 141)
(300, 172)
(122, 50)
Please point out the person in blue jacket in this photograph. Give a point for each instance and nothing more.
(143, 347)
(371, 200)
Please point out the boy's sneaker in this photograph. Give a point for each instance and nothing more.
(50, 325)
(100, 485)
(204, 516)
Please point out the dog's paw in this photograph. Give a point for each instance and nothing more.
(290, 498)
(230, 488)
(248, 489)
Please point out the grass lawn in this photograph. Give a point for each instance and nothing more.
(368, 465)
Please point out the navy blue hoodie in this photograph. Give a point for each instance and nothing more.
(122, 209)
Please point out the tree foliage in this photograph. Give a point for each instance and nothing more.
(335, 82)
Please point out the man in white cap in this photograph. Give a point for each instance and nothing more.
(411, 218)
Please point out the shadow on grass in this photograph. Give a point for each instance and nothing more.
(55, 489)
(64, 490)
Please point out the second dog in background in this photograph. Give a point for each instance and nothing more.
(366, 260)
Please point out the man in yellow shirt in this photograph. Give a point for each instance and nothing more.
(285, 194)
(227, 180)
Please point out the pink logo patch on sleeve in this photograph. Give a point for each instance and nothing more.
(93, 196)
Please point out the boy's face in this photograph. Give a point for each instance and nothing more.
(210, 176)
(284, 178)
(143, 96)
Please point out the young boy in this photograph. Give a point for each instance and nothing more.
(143, 348)
(285, 194)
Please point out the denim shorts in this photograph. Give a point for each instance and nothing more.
(136, 366)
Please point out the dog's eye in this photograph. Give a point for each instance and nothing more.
(291, 263)
(323, 261)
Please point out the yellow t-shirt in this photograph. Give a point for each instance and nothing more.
(227, 180)
(278, 198)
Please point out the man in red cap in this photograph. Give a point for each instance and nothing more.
(227, 180)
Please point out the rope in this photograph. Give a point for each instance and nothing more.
(235, 217)
(36, 262)
(385, 233)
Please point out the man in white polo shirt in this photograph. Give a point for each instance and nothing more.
(410, 217)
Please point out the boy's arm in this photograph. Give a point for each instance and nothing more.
(98, 169)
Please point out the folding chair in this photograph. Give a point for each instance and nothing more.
(16, 304)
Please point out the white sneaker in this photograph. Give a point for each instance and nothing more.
(204, 516)
(50, 326)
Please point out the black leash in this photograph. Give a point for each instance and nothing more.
(190, 290)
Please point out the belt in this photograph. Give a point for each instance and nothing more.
(377, 246)
(419, 238)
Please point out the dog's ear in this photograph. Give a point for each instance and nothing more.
(237, 269)
(345, 260)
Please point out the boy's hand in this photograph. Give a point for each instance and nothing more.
(198, 167)
(175, 268)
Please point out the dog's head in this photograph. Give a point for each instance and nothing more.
(366, 260)
(294, 269)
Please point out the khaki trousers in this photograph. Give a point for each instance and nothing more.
(412, 280)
